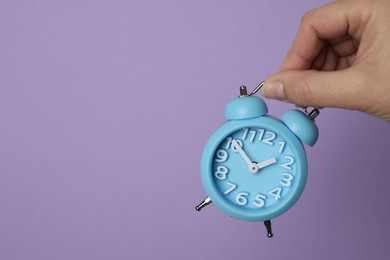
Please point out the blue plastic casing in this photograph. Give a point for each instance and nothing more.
(252, 114)
(245, 107)
(302, 126)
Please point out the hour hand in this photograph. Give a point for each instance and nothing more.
(266, 163)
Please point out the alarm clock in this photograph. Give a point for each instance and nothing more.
(254, 166)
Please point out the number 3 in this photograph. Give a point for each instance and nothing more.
(286, 180)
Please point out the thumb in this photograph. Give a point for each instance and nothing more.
(341, 89)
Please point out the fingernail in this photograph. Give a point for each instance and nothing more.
(273, 89)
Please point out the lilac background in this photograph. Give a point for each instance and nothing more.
(105, 107)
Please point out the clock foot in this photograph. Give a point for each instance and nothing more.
(267, 224)
(203, 204)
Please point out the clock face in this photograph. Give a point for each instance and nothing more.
(255, 168)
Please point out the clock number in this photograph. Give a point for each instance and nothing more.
(221, 172)
(241, 198)
(259, 200)
(231, 188)
(239, 143)
(251, 132)
(245, 133)
(276, 193)
(282, 144)
(229, 144)
(270, 138)
(287, 164)
(222, 155)
(286, 180)
(261, 134)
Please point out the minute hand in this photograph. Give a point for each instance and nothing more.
(241, 152)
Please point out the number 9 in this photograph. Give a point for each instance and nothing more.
(221, 155)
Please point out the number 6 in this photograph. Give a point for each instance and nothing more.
(241, 198)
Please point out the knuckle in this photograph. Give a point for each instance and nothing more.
(307, 17)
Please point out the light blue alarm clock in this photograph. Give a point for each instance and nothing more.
(254, 167)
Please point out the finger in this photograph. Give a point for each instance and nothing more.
(346, 62)
(341, 89)
(333, 55)
(331, 21)
(319, 61)
(331, 60)
(344, 47)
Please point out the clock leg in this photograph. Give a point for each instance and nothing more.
(203, 204)
(268, 226)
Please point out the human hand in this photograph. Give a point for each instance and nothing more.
(339, 58)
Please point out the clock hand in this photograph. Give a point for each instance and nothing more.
(266, 163)
(253, 168)
(241, 152)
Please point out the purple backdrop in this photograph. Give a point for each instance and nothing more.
(105, 107)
